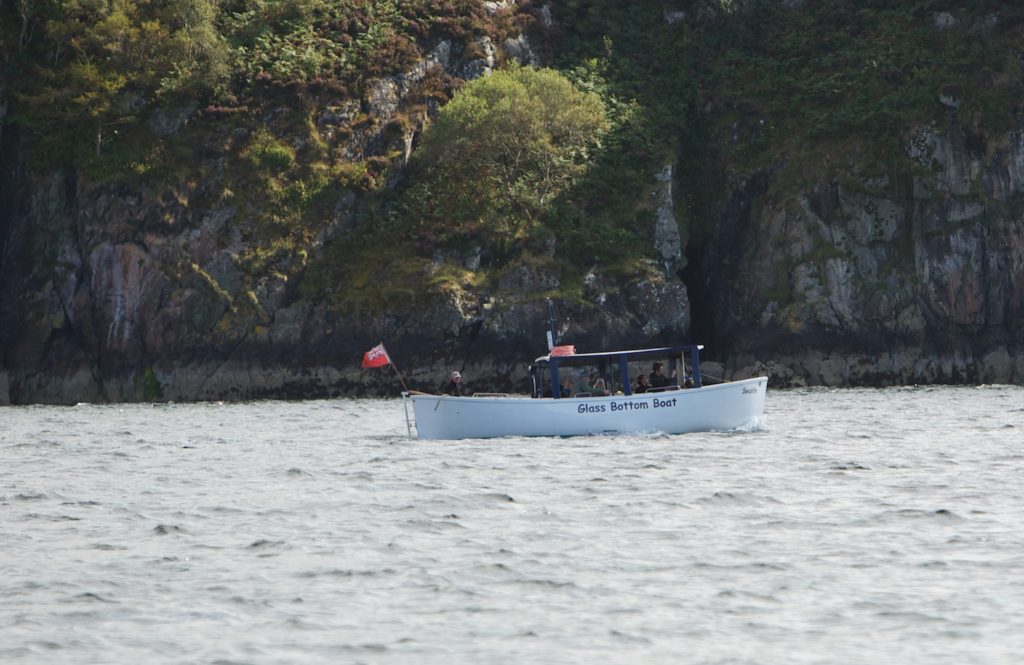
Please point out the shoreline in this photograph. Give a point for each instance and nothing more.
(240, 381)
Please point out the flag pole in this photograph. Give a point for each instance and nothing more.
(395, 367)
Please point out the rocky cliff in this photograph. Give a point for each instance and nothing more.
(190, 286)
(135, 304)
(168, 288)
(908, 276)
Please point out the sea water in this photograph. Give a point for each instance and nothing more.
(852, 526)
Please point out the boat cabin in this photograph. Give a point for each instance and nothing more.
(548, 372)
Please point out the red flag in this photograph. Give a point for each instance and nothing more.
(376, 357)
(565, 350)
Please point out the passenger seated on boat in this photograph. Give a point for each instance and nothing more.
(567, 390)
(583, 386)
(658, 380)
(454, 387)
(642, 385)
(600, 388)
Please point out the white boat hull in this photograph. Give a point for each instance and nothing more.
(724, 406)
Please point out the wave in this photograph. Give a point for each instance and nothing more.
(734, 499)
(756, 424)
(941, 514)
(264, 544)
(849, 466)
(499, 496)
(31, 496)
(43, 517)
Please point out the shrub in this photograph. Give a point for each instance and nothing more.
(267, 152)
(500, 153)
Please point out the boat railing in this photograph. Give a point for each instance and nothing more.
(405, 407)
(491, 395)
(662, 389)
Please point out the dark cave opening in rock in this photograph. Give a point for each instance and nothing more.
(702, 320)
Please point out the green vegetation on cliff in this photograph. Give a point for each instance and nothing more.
(85, 74)
(346, 41)
(81, 72)
(840, 81)
(325, 126)
(809, 90)
(498, 154)
(482, 183)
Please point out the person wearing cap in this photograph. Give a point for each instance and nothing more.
(454, 387)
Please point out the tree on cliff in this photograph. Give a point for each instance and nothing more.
(498, 154)
(100, 64)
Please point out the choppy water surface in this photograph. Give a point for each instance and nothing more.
(857, 527)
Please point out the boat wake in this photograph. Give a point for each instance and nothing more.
(757, 424)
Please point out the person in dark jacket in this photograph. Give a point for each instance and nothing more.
(658, 380)
(454, 387)
(642, 385)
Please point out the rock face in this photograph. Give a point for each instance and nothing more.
(889, 279)
(127, 292)
(879, 280)
(144, 299)
(129, 318)
(667, 242)
(114, 293)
